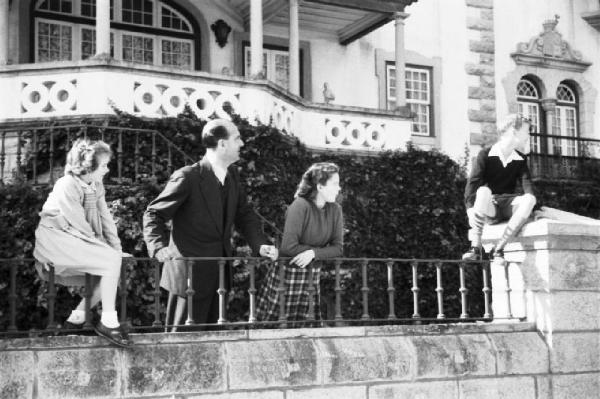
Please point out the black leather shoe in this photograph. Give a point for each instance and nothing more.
(115, 335)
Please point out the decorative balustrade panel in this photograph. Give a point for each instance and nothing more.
(57, 93)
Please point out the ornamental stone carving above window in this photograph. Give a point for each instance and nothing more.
(549, 50)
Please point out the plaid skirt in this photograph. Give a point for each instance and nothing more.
(296, 293)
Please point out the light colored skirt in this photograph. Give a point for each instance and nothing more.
(174, 277)
(73, 254)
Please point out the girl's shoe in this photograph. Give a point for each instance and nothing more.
(115, 335)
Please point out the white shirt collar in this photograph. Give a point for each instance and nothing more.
(495, 151)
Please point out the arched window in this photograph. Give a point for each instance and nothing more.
(565, 122)
(528, 103)
(142, 31)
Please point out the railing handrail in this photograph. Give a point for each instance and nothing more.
(281, 258)
(554, 136)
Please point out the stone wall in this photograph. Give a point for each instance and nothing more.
(437, 361)
(480, 72)
(554, 282)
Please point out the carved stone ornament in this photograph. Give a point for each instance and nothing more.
(549, 50)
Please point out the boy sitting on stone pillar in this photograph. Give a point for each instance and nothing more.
(490, 194)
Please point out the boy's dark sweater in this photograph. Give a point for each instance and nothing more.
(489, 171)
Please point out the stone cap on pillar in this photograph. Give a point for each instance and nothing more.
(548, 234)
(553, 255)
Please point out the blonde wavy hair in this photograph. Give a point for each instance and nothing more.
(83, 158)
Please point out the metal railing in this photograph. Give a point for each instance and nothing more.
(564, 157)
(342, 271)
(37, 153)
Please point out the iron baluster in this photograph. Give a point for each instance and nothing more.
(338, 293)
(391, 290)
(190, 293)
(440, 290)
(415, 289)
(365, 291)
(463, 292)
(252, 291)
(222, 293)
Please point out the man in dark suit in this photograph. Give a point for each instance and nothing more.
(204, 201)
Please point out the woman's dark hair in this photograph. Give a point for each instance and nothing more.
(318, 173)
(83, 157)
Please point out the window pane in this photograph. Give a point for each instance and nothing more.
(54, 42)
(176, 53)
(138, 49)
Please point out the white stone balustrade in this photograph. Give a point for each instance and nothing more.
(93, 88)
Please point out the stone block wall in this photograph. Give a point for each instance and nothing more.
(480, 72)
(436, 361)
(554, 282)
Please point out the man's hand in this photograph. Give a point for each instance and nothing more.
(163, 254)
(269, 251)
(303, 258)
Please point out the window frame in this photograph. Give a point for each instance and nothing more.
(390, 68)
(560, 114)
(537, 145)
(77, 21)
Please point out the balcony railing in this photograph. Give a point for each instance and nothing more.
(37, 153)
(93, 87)
(413, 271)
(564, 157)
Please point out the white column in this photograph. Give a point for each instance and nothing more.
(294, 49)
(103, 27)
(400, 59)
(4, 32)
(256, 38)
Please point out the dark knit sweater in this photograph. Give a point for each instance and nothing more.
(489, 171)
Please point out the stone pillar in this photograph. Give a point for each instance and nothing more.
(294, 49)
(103, 28)
(554, 275)
(400, 59)
(256, 39)
(549, 106)
(4, 11)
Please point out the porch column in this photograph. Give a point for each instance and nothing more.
(294, 49)
(103, 28)
(256, 39)
(3, 32)
(400, 59)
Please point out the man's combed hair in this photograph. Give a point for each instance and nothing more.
(512, 121)
(83, 158)
(215, 130)
(318, 173)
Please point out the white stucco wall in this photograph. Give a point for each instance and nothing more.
(437, 28)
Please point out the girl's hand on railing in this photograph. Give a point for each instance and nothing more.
(269, 251)
(163, 254)
(303, 258)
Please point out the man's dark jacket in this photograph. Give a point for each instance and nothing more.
(192, 201)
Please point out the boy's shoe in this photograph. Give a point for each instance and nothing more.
(116, 335)
(475, 253)
(497, 257)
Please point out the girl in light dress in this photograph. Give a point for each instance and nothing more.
(77, 235)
